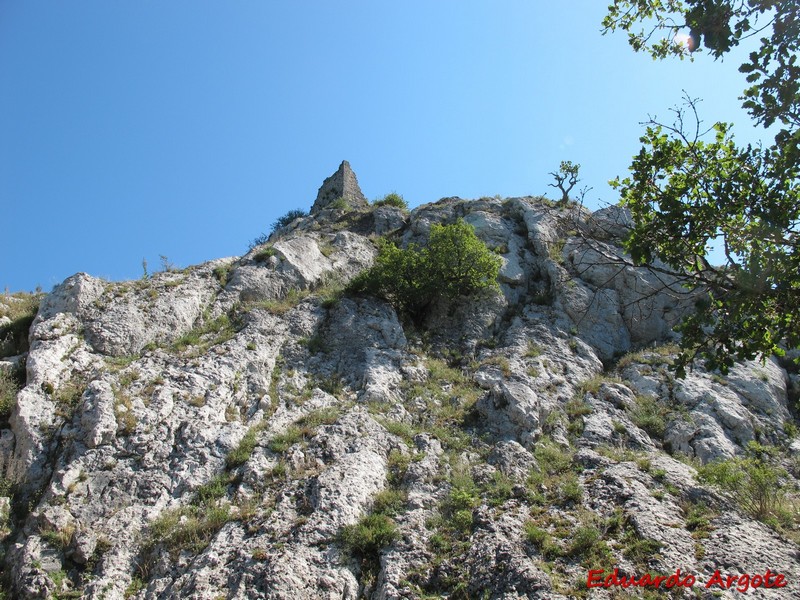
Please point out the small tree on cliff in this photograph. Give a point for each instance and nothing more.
(454, 263)
(566, 178)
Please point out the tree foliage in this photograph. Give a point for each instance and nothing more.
(454, 263)
(692, 189)
(566, 178)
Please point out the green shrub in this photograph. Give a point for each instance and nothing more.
(136, 585)
(583, 540)
(755, 482)
(542, 541)
(393, 199)
(339, 204)
(316, 344)
(321, 416)
(461, 499)
(389, 502)
(638, 549)
(455, 263)
(369, 536)
(398, 465)
(577, 408)
(698, 519)
(464, 496)
(263, 255)
(570, 489)
(533, 350)
(8, 394)
(499, 489)
(221, 274)
(283, 221)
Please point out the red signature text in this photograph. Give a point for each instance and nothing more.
(741, 583)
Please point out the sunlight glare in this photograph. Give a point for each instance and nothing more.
(686, 41)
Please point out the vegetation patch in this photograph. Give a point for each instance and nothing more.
(540, 539)
(286, 219)
(339, 204)
(449, 397)
(593, 384)
(455, 263)
(68, 396)
(222, 274)
(9, 386)
(264, 254)
(210, 333)
(393, 199)
(215, 489)
(398, 465)
(123, 411)
(280, 306)
(757, 483)
(390, 501)
(189, 528)
(367, 539)
(650, 416)
(661, 355)
(533, 350)
(58, 539)
(21, 309)
(281, 442)
(240, 455)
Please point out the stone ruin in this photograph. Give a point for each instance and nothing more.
(342, 184)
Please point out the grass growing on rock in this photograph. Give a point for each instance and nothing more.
(123, 412)
(758, 484)
(8, 393)
(210, 333)
(280, 306)
(188, 528)
(650, 416)
(240, 455)
(20, 309)
(281, 442)
(449, 396)
(68, 396)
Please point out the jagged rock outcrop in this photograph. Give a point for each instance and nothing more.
(224, 431)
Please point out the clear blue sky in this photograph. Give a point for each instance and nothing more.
(133, 129)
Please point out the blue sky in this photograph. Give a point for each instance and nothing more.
(134, 129)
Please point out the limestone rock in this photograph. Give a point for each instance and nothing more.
(212, 432)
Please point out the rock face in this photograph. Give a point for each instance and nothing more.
(245, 429)
(342, 184)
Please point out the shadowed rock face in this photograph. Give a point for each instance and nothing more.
(211, 432)
(342, 184)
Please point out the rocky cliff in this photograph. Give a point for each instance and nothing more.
(244, 429)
